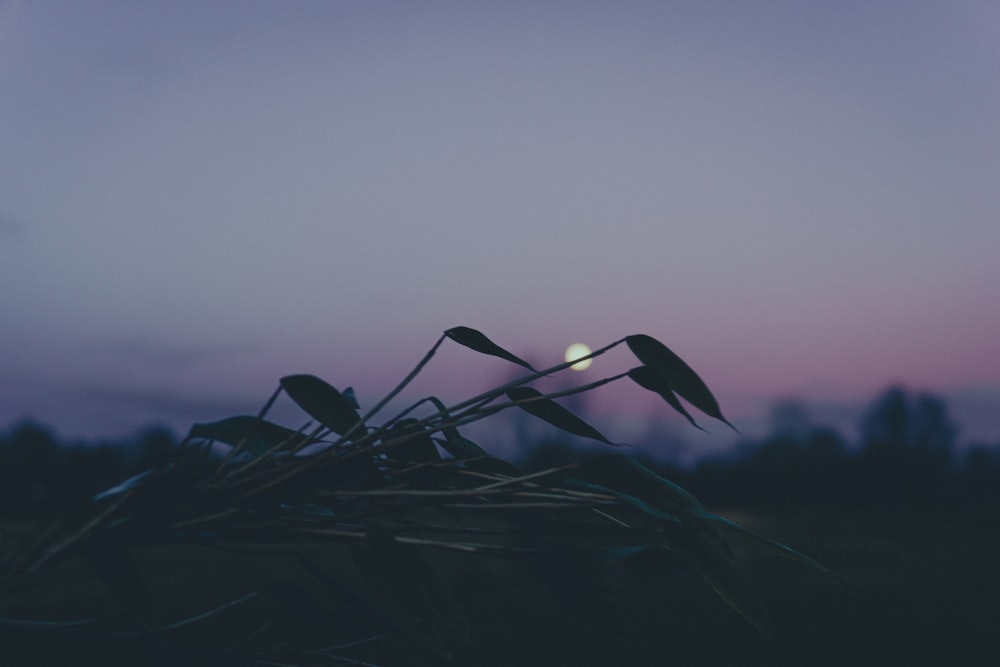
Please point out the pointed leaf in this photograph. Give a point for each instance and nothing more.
(548, 410)
(719, 571)
(483, 462)
(455, 443)
(493, 466)
(664, 489)
(679, 376)
(258, 435)
(322, 402)
(770, 545)
(415, 444)
(351, 398)
(120, 488)
(476, 340)
(631, 499)
(649, 378)
(473, 456)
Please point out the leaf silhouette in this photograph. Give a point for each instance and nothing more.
(461, 447)
(476, 340)
(678, 375)
(548, 410)
(415, 444)
(257, 435)
(665, 491)
(322, 402)
(718, 568)
(771, 546)
(649, 378)
(455, 443)
(631, 499)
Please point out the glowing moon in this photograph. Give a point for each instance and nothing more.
(575, 351)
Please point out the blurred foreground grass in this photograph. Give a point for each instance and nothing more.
(925, 591)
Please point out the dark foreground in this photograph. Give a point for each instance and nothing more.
(924, 590)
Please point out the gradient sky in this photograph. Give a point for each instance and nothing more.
(198, 198)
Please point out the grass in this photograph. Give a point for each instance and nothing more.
(921, 594)
(373, 540)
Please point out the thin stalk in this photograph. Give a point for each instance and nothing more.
(488, 396)
(241, 445)
(476, 414)
(402, 385)
(495, 487)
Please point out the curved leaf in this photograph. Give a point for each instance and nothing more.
(667, 490)
(257, 435)
(476, 340)
(416, 445)
(474, 457)
(322, 402)
(678, 375)
(634, 501)
(120, 488)
(717, 567)
(534, 402)
(649, 378)
(454, 443)
(351, 398)
(772, 546)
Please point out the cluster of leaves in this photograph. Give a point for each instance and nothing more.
(395, 492)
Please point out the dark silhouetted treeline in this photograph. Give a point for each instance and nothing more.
(40, 476)
(907, 458)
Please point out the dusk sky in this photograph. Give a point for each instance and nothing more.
(800, 198)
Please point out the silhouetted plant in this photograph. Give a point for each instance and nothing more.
(387, 500)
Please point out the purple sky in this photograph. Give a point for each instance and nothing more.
(198, 198)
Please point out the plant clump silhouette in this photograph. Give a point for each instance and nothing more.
(354, 539)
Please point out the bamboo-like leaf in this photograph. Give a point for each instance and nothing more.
(414, 444)
(717, 567)
(534, 402)
(455, 443)
(678, 375)
(322, 402)
(646, 487)
(460, 447)
(476, 340)
(258, 435)
(482, 463)
(633, 500)
(120, 488)
(769, 545)
(675, 494)
(649, 378)
(351, 398)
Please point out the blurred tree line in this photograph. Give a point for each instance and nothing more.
(906, 458)
(41, 476)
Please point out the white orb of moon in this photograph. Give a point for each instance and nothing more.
(574, 352)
